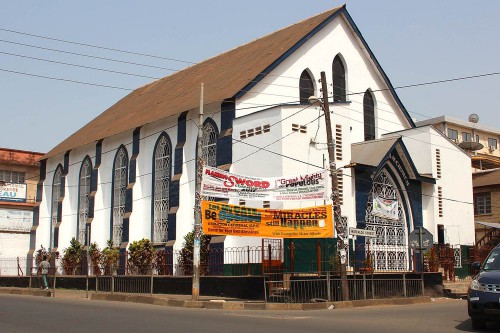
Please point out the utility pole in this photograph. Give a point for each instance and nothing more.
(337, 214)
(197, 205)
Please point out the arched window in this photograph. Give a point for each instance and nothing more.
(120, 173)
(306, 87)
(209, 144)
(56, 199)
(369, 115)
(161, 184)
(339, 80)
(83, 199)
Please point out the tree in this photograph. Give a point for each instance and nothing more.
(186, 256)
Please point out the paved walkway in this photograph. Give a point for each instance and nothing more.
(212, 302)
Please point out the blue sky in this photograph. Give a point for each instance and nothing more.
(414, 42)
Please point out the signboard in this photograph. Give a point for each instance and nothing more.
(221, 184)
(362, 232)
(13, 192)
(420, 234)
(223, 219)
(16, 220)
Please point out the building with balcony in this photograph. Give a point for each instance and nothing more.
(19, 174)
(465, 134)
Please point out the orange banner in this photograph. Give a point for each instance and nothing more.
(223, 219)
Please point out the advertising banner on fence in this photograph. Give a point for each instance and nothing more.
(223, 219)
(13, 192)
(385, 208)
(221, 184)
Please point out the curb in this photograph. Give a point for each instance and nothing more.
(236, 305)
(31, 292)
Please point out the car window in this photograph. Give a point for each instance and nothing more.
(493, 260)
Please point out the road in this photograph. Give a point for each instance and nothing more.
(55, 315)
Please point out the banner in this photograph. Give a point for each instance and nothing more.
(223, 219)
(385, 208)
(13, 192)
(221, 184)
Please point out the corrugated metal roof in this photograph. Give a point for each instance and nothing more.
(228, 73)
(371, 152)
(486, 178)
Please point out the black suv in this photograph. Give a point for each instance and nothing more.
(483, 297)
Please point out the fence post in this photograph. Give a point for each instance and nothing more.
(422, 277)
(96, 282)
(404, 285)
(54, 292)
(373, 288)
(29, 285)
(328, 288)
(151, 280)
(292, 257)
(364, 286)
(248, 260)
(318, 255)
(112, 283)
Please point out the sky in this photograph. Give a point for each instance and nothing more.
(414, 41)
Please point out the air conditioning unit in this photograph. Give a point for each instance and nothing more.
(492, 148)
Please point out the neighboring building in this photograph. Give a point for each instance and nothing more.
(486, 201)
(19, 173)
(485, 164)
(130, 172)
(462, 132)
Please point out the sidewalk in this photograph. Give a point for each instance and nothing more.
(210, 302)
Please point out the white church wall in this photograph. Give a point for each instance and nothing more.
(317, 54)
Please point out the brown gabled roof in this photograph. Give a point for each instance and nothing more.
(223, 76)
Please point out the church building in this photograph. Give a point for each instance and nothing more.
(130, 172)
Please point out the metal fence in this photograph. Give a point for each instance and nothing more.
(12, 266)
(314, 257)
(327, 288)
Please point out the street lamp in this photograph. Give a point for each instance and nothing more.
(337, 214)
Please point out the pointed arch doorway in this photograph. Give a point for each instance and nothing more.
(388, 251)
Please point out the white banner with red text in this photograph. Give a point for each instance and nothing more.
(222, 184)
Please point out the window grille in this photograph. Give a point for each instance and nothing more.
(209, 147)
(266, 204)
(161, 199)
(9, 176)
(83, 199)
(267, 128)
(243, 134)
(258, 130)
(388, 250)
(120, 172)
(242, 202)
(56, 199)
(340, 181)
(457, 254)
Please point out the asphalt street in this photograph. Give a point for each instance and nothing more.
(44, 315)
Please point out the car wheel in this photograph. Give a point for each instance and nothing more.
(478, 324)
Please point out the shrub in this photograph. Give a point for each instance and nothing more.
(72, 258)
(96, 258)
(141, 255)
(160, 263)
(110, 258)
(186, 256)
